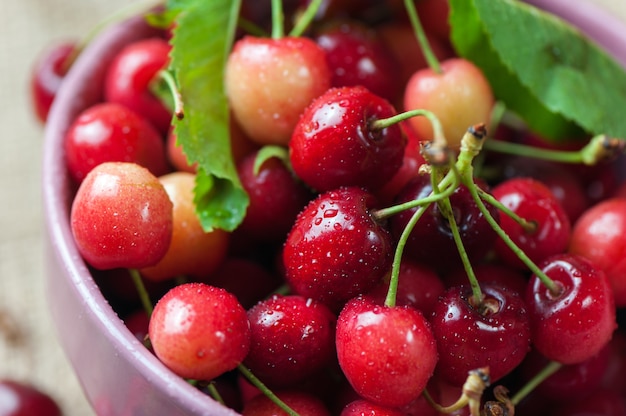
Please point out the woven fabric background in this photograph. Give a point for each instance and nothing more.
(29, 350)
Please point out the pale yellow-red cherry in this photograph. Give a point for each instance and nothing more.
(192, 251)
(460, 97)
(269, 82)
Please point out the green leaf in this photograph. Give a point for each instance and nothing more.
(544, 69)
(202, 40)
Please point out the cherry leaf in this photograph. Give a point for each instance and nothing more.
(542, 68)
(201, 42)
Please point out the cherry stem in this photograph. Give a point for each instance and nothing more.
(278, 29)
(551, 368)
(215, 394)
(265, 390)
(471, 394)
(269, 152)
(599, 148)
(172, 89)
(250, 27)
(306, 18)
(144, 297)
(438, 136)
(429, 55)
(528, 226)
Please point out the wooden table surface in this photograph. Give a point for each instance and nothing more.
(28, 347)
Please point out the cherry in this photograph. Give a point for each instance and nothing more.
(130, 75)
(336, 250)
(199, 331)
(23, 399)
(432, 234)
(598, 235)
(418, 286)
(121, 216)
(109, 132)
(549, 230)
(192, 252)
(388, 354)
(471, 334)
(357, 55)
(302, 403)
(276, 198)
(292, 337)
(362, 407)
(269, 82)
(460, 96)
(575, 323)
(493, 273)
(47, 75)
(601, 403)
(335, 144)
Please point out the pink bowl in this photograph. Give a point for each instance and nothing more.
(117, 373)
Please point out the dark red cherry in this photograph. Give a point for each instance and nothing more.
(577, 321)
(292, 337)
(304, 404)
(432, 235)
(388, 354)
(109, 132)
(22, 399)
(602, 402)
(534, 202)
(334, 144)
(494, 333)
(356, 55)
(336, 249)
(129, 77)
(276, 198)
(361, 407)
(47, 75)
(493, 273)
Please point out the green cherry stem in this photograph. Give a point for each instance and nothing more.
(528, 226)
(278, 28)
(551, 368)
(144, 297)
(599, 148)
(429, 55)
(268, 152)
(305, 18)
(265, 390)
(164, 86)
(383, 123)
(214, 393)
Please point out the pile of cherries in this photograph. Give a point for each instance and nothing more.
(392, 261)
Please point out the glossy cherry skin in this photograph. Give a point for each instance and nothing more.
(599, 235)
(460, 97)
(304, 404)
(109, 132)
(362, 407)
(292, 337)
(432, 235)
(534, 202)
(193, 252)
(388, 354)
(336, 250)
(21, 399)
(129, 76)
(47, 75)
(276, 199)
(575, 324)
(121, 217)
(269, 82)
(199, 331)
(356, 55)
(334, 144)
(494, 333)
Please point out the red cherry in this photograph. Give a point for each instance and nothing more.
(388, 354)
(302, 403)
(22, 399)
(362, 407)
(336, 250)
(494, 333)
(600, 403)
(47, 75)
(109, 132)
(292, 337)
(121, 216)
(334, 144)
(129, 76)
(534, 202)
(573, 325)
(598, 235)
(269, 82)
(199, 331)
(460, 97)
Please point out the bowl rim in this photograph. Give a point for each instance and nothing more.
(56, 193)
